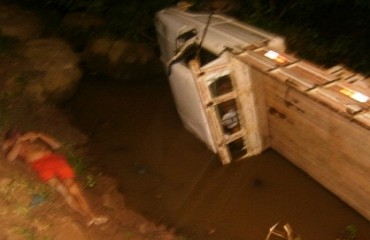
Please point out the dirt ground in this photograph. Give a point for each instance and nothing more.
(31, 210)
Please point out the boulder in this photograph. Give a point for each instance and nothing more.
(55, 71)
(82, 20)
(120, 58)
(19, 23)
(77, 28)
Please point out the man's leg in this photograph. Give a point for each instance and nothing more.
(68, 196)
(76, 192)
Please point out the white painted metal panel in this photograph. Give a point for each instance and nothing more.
(189, 105)
(223, 32)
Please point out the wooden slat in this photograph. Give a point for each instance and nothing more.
(336, 100)
(253, 59)
(354, 78)
(291, 79)
(341, 72)
(321, 142)
(311, 74)
(363, 118)
(363, 83)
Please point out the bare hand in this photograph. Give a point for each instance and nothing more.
(31, 136)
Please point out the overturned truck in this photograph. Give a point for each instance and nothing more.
(239, 92)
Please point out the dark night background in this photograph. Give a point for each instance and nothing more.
(328, 32)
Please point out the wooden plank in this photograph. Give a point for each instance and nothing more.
(335, 173)
(325, 124)
(321, 142)
(355, 78)
(338, 101)
(363, 83)
(290, 78)
(347, 191)
(260, 62)
(311, 73)
(340, 71)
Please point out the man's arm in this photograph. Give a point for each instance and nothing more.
(14, 152)
(54, 144)
(32, 136)
(6, 146)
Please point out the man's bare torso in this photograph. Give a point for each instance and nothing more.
(29, 146)
(33, 150)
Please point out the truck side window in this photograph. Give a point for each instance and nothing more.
(221, 86)
(182, 38)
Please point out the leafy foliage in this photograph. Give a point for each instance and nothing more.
(76, 162)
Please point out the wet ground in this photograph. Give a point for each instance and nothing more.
(171, 177)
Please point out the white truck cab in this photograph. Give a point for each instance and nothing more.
(211, 88)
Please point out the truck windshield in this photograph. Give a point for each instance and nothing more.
(204, 55)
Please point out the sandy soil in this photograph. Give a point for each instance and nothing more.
(31, 210)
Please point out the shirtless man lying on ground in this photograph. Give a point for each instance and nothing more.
(37, 150)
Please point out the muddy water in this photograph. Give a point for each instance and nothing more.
(169, 176)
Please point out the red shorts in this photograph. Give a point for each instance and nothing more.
(52, 165)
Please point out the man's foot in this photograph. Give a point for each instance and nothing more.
(100, 220)
(97, 221)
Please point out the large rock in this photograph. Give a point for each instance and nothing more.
(55, 72)
(120, 58)
(46, 70)
(77, 28)
(82, 20)
(18, 23)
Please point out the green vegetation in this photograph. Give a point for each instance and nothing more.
(76, 162)
(351, 232)
(30, 234)
(23, 187)
(27, 233)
